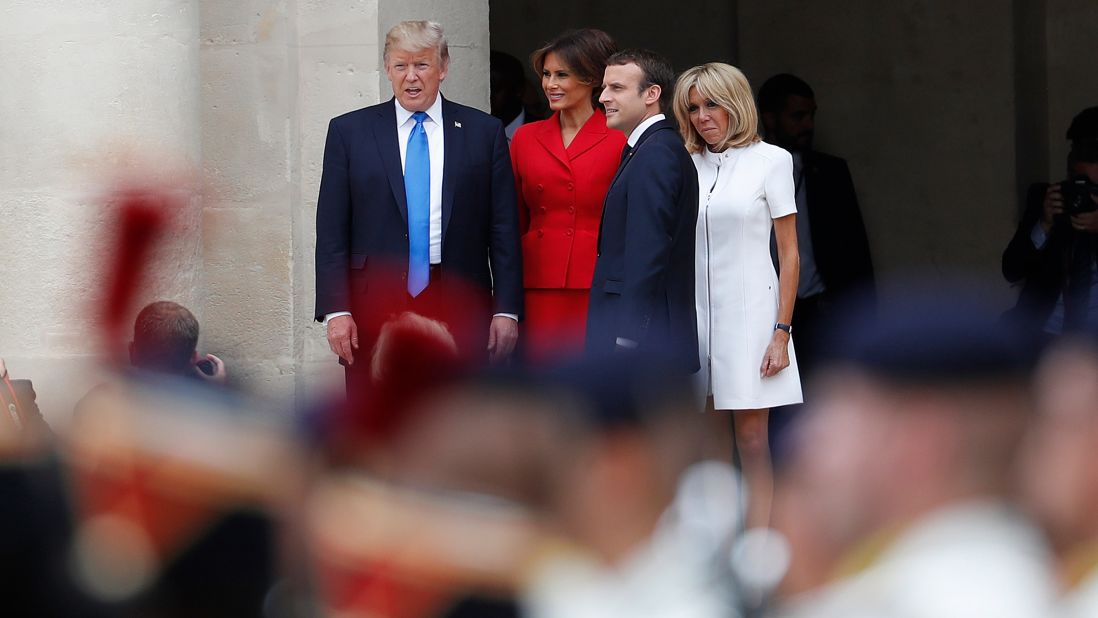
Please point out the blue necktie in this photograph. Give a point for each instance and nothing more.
(417, 190)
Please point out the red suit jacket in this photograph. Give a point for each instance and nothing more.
(560, 198)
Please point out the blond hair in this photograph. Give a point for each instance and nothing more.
(726, 86)
(414, 36)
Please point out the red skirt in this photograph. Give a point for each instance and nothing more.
(554, 324)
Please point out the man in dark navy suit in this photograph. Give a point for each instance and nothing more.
(419, 189)
(643, 288)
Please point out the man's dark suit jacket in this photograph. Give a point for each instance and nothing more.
(839, 242)
(362, 213)
(643, 287)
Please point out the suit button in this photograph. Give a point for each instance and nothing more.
(541, 188)
(568, 232)
(543, 209)
(541, 233)
(571, 209)
(571, 187)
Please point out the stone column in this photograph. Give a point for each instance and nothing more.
(85, 88)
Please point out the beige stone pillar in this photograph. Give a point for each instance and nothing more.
(85, 87)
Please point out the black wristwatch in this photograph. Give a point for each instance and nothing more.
(787, 328)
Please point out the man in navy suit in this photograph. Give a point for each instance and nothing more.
(421, 187)
(643, 288)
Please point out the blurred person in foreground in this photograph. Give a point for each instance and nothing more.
(35, 517)
(612, 473)
(914, 433)
(204, 466)
(1053, 252)
(1059, 476)
(438, 465)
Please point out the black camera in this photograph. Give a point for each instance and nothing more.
(1077, 192)
(206, 366)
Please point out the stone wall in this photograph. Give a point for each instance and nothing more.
(88, 91)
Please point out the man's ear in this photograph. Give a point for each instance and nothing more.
(445, 70)
(652, 95)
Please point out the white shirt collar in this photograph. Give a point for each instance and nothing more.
(635, 136)
(434, 112)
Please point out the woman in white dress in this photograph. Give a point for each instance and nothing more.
(744, 307)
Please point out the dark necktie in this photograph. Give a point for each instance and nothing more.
(625, 153)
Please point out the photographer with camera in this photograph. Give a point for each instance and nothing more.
(1054, 249)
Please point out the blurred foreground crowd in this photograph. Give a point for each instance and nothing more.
(943, 469)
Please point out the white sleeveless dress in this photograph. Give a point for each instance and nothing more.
(741, 192)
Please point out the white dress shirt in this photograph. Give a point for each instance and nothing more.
(433, 127)
(635, 136)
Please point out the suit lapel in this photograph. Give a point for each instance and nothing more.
(385, 136)
(454, 149)
(589, 136)
(548, 136)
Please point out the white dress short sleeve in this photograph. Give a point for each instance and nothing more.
(742, 190)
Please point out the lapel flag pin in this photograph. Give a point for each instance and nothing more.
(457, 124)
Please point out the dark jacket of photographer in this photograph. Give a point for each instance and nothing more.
(1062, 265)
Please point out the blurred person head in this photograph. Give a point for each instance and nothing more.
(626, 437)
(572, 66)
(1059, 478)
(417, 59)
(413, 357)
(787, 107)
(923, 407)
(636, 85)
(487, 435)
(714, 108)
(165, 336)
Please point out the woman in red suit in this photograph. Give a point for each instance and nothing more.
(563, 168)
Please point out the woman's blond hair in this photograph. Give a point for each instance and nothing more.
(726, 86)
